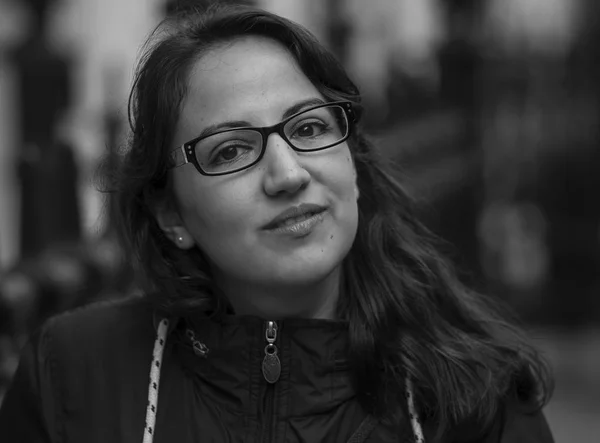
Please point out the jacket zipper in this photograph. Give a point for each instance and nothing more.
(267, 434)
(271, 367)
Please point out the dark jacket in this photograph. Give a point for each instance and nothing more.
(84, 378)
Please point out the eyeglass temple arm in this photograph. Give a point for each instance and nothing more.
(178, 157)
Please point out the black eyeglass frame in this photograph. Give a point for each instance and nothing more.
(188, 153)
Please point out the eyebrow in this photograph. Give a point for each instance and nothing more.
(294, 109)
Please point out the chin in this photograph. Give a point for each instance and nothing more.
(307, 278)
(311, 269)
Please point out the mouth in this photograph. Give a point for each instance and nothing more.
(295, 215)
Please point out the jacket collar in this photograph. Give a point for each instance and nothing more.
(315, 374)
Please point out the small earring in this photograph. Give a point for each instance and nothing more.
(180, 239)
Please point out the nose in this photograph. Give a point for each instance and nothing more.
(285, 174)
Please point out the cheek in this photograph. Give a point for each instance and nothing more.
(339, 178)
(208, 205)
(344, 180)
(189, 192)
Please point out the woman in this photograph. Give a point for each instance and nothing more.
(291, 293)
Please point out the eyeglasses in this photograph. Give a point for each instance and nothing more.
(232, 150)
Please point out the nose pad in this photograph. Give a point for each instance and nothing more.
(285, 172)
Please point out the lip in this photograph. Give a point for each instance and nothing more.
(295, 211)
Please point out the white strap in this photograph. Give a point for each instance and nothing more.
(157, 355)
(412, 412)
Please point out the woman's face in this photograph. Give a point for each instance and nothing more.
(256, 81)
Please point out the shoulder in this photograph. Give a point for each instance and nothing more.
(85, 353)
(98, 329)
(525, 422)
(515, 421)
(103, 317)
(88, 359)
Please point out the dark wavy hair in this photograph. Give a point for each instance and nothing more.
(409, 314)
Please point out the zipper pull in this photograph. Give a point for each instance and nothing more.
(200, 349)
(271, 366)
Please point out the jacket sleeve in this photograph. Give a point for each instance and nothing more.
(26, 413)
(515, 423)
(525, 428)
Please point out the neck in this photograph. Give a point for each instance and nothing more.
(316, 300)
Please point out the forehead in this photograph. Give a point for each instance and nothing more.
(251, 78)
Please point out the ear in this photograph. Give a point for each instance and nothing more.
(171, 224)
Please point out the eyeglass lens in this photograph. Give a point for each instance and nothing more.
(236, 149)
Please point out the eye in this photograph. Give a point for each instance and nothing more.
(310, 129)
(231, 153)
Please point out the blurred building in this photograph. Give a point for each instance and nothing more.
(102, 46)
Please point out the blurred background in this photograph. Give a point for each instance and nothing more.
(489, 108)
